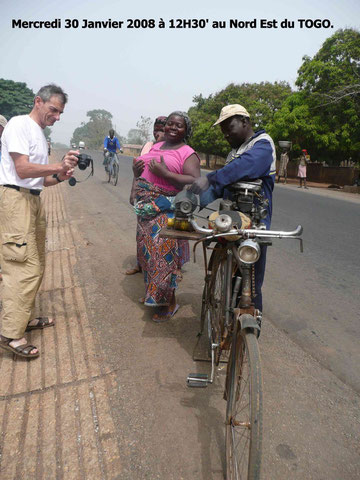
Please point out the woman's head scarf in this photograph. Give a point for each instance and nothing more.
(160, 120)
(187, 120)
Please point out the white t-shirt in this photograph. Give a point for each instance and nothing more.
(22, 135)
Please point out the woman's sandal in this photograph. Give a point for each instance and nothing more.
(132, 271)
(21, 350)
(43, 322)
(164, 317)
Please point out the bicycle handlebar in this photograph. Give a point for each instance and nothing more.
(247, 233)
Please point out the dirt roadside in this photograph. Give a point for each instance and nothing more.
(107, 398)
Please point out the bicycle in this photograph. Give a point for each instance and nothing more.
(231, 322)
(112, 167)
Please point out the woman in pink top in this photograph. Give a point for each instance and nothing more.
(166, 169)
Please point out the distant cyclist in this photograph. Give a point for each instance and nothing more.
(111, 144)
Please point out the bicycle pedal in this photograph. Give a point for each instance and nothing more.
(199, 380)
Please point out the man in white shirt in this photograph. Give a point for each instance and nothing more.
(24, 171)
(3, 123)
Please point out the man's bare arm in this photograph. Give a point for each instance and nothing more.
(63, 169)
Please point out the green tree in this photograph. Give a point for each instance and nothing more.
(15, 98)
(323, 116)
(95, 130)
(262, 100)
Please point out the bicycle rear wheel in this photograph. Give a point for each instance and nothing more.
(244, 408)
(115, 173)
(215, 304)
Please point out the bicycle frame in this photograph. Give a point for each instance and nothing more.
(233, 325)
(112, 158)
(246, 314)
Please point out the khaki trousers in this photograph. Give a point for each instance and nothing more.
(23, 231)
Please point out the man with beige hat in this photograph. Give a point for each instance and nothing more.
(252, 157)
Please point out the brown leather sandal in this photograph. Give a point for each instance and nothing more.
(43, 322)
(21, 350)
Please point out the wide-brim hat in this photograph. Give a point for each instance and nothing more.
(230, 111)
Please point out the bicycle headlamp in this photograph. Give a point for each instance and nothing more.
(249, 251)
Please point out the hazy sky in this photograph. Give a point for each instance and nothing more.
(152, 71)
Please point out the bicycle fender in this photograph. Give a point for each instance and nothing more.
(248, 322)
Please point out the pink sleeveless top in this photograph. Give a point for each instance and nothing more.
(174, 160)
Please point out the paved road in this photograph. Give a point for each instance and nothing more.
(315, 296)
(107, 398)
(303, 294)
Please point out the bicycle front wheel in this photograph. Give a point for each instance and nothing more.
(244, 409)
(115, 173)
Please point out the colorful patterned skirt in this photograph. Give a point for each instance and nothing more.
(160, 258)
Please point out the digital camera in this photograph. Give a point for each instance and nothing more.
(84, 161)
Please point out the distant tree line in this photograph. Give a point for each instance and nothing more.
(100, 122)
(95, 130)
(17, 99)
(321, 116)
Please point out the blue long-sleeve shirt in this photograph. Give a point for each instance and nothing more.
(255, 159)
(112, 144)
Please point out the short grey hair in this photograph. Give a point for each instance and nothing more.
(48, 91)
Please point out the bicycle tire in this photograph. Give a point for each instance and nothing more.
(109, 172)
(115, 173)
(204, 316)
(215, 305)
(243, 441)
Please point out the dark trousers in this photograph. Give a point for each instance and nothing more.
(259, 277)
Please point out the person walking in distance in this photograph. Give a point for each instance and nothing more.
(24, 171)
(302, 168)
(284, 160)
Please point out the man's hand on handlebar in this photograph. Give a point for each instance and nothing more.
(200, 185)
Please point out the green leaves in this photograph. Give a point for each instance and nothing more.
(95, 130)
(262, 100)
(15, 98)
(322, 116)
(328, 123)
